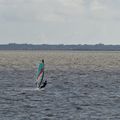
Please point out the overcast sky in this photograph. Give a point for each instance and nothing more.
(60, 21)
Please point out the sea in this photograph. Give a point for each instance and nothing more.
(82, 85)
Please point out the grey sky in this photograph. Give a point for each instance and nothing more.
(60, 21)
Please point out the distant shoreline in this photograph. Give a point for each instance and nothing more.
(85, 47)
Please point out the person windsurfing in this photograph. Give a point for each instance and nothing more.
(40, 75)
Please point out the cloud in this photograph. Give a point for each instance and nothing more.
(39, 10)
(59, 20)
(57, 10)
(104, 9)
(72, 5)
(22, 10)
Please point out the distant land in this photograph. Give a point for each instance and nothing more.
(85, 47)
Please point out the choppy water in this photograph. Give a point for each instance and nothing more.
(71, 94)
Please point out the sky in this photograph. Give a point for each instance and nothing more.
(60, 21)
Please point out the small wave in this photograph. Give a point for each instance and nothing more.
(32, 89)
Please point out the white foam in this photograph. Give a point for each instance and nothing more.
(32, 89)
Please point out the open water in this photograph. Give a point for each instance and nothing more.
(71, 94)
(87, 90)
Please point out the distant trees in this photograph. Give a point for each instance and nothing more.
(98, 47)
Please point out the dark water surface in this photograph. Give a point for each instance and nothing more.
(69, 95)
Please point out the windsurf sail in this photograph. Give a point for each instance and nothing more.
(40, 74)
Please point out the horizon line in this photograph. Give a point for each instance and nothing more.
(54, 44)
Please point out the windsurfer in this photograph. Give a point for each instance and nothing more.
(40, 75)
